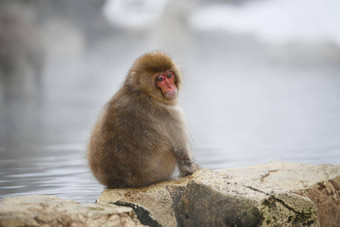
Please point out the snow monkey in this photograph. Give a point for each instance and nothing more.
(141, 136)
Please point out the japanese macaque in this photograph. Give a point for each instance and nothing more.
(141, 135)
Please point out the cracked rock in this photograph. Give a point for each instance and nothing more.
(276, 194)
(154, 205)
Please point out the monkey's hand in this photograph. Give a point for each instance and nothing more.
(187, 167)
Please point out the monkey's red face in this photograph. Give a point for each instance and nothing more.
(167, 83)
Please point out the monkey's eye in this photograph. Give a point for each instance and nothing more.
(169, 75)
(159, 78)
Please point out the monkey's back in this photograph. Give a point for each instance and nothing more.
(133, 141)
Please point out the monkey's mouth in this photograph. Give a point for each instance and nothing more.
(170, 94)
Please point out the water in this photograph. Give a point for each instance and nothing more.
(247, 102)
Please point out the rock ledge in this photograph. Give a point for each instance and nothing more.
(276, 194)
(41, 210)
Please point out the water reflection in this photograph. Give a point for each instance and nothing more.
(246, 101)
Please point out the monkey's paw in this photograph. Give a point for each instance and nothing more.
(188, 169)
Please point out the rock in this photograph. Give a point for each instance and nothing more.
(154, 205)
(278, 194)
(326, 196)
(39, 210)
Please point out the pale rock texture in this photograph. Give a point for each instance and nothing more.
(40, 210)
(276, 194)
(154, 205)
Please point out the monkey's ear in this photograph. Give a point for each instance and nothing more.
(133, 80)
(136, 79)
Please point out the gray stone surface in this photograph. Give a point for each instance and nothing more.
(273, 194)
(276, 194)
(40, 210)
(157, 199)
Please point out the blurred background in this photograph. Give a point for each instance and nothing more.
(261, 82)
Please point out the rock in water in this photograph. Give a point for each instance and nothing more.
(275, 194)
(40, 210)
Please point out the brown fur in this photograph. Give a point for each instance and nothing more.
(141, 135)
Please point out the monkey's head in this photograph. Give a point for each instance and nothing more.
(157, 75)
